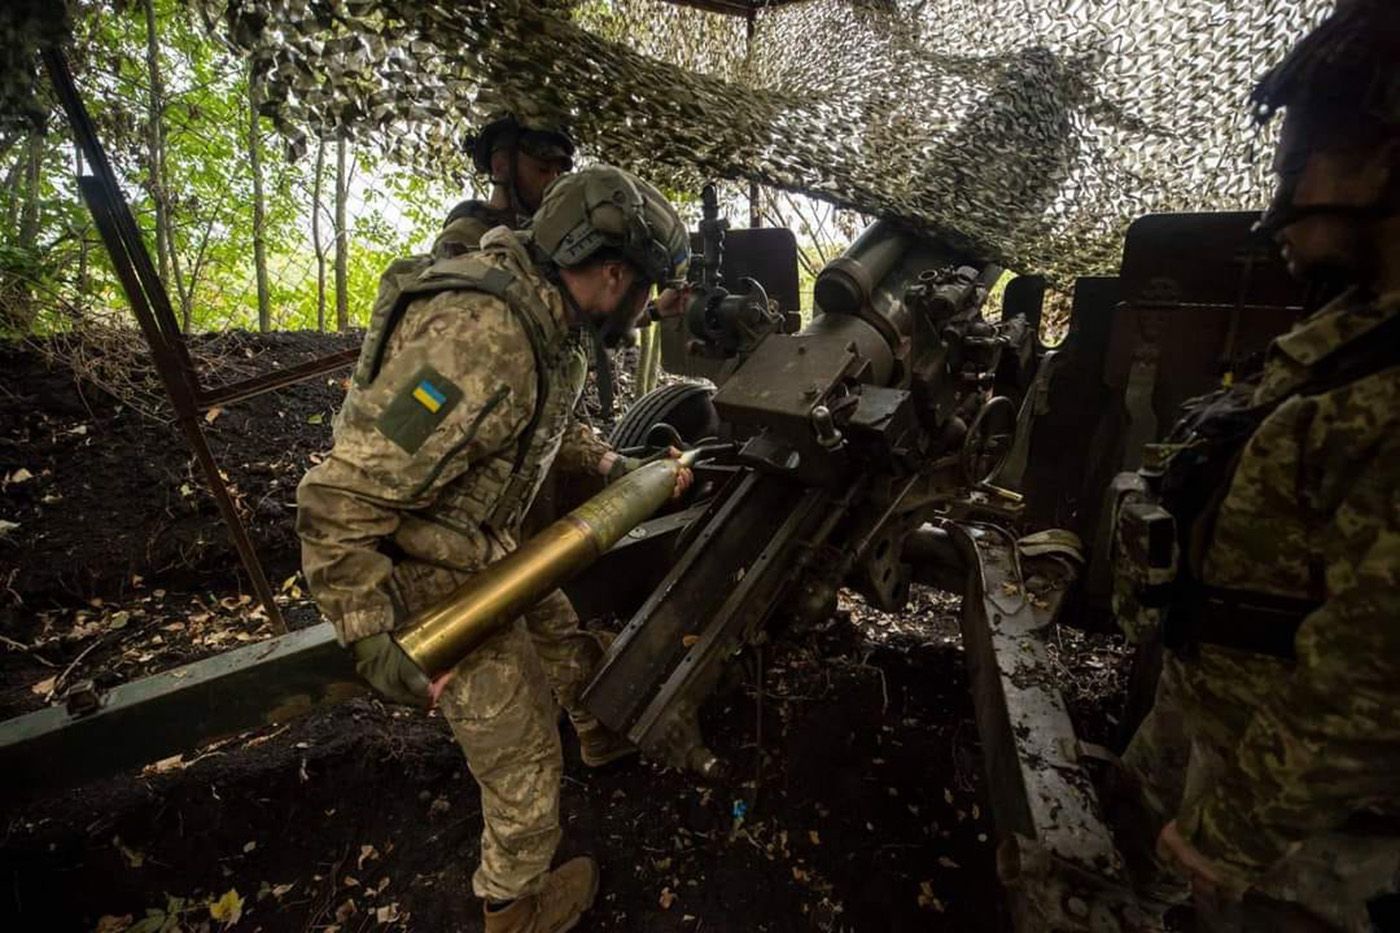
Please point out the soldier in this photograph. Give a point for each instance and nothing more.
(463, 396)
(1269, 766)
(521, 154)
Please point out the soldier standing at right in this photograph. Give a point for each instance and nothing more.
(1268, 770)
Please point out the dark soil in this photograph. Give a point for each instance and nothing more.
(113, 494)
(867, 815)
(865, 801)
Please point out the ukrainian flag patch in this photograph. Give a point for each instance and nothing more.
(417, 408)
(429, 396)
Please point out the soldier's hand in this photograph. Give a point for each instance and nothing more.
(684, 476)
(386, 668)
(670, 303)
(1208, 882)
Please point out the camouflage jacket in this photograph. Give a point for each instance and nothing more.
(467, 224)
(396, 513)
(1313, 510)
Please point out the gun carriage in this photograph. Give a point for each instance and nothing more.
(906, 434)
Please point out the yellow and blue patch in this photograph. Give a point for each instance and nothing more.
(429, 396)
(417, 408)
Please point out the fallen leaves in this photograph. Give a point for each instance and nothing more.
(927, 899)
(228, 909)
(134, 859)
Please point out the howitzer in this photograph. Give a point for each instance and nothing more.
(878, 446)
(904, 435)
(895, 405)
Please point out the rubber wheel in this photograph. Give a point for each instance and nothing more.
(683, 405)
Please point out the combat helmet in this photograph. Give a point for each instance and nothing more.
(535, 133)
(603, 208)
(1340, 87)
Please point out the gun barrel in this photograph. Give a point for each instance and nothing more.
(439, 637)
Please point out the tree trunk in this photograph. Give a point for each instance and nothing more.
(259, 209)
(316, 244)
(84, 281)
(342, 239)
(14, 187)
(20, 294)
(155, 142)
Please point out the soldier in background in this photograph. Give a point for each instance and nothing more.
(522, 154)
(1268, 770)
(463, 397)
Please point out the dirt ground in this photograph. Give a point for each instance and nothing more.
(856, 760)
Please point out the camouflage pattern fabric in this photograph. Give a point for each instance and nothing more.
(1269, 767)
(426, 474)
(416, 457)
(1028, 131)
(466, 225)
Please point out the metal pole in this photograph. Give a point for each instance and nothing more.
(151, 305)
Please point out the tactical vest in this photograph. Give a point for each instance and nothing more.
(1182, 497)
(495, 492)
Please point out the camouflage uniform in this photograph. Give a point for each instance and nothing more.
(467, 224)
(439, 448)
(1287, 774)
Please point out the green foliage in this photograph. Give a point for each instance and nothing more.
(54, 268)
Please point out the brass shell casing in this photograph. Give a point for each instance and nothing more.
(439, 637)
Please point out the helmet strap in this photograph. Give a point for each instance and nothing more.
(517, 203)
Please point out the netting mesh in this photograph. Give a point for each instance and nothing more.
(1029, 131)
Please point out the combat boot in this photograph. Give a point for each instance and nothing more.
(598, 745)
(557, 906)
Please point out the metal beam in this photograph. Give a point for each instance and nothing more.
(257, 385)
(94, 734)
(178, 710)
(1055, 852)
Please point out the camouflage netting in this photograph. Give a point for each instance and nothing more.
(1029, 131)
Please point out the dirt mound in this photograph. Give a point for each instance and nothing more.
(102, 493)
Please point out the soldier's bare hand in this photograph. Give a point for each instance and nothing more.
(684, 476)
(672, 301)
(1207, 881)
(436, 688)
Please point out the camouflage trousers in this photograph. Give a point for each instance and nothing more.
(1177, 754)
(499, 705)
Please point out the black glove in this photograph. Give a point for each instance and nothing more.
(386, 668)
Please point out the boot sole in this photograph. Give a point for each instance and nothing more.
(590, 762)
